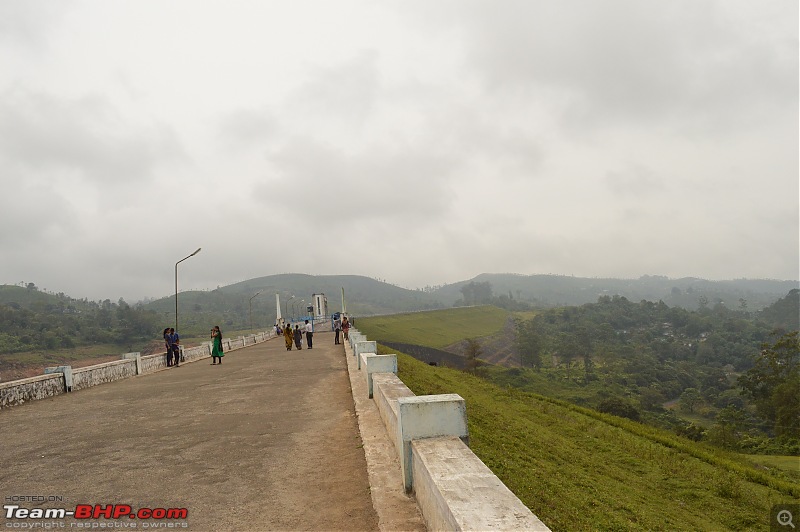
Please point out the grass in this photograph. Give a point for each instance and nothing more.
(788, 464)
(438, 328)
(581, 470)
(578, 469)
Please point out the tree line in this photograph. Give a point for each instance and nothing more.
(734, 372)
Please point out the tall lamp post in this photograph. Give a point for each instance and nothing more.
(176, 285)
(287, 308)
(251, 309)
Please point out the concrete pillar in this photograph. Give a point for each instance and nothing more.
(137, 356)
(364, 346)
(428, 416)
(66, 371)
(378, 364)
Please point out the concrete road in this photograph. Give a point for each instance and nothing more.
(266, 441)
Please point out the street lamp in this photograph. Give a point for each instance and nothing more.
(251, 309)
(176, 285)
(286, 308)
(295, 311)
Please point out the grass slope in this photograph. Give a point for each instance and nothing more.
(436, 329)
(575, 468)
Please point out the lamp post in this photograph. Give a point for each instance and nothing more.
(286, 308)
(296, 312)
(251, 309)
(176, 285)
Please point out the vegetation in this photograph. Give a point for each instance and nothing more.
(630, 359)
(435, 329)
(578, 469)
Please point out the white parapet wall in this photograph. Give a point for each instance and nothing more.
(373, 363)
(454, 489)
(363, 346)
(23, 390)
(65, 379)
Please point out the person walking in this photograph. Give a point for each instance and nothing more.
(298, 337)
(337, 328)
(346, 328)
(216, 345)
(288, 337)
(310, 334)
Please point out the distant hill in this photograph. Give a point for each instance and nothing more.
(688, 292)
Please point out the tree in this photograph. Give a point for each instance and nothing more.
(472, 353)
(774, 384)
(689, 399)
(477, 293)
(528, 343)
(619, 407)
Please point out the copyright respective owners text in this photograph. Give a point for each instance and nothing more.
(49, 512)
(784, 517)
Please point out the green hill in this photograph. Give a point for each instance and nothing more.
(557, 290)
(578, 469)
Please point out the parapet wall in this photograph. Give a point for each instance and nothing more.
(453, 488)
(65, 379)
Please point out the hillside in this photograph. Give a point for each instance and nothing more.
(559, 290)
(581, 470)
(578, 469)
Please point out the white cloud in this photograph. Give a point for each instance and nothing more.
(444, 139)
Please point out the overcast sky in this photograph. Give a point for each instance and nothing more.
(420, 142)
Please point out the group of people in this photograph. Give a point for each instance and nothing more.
(295, 336)
(172, 342)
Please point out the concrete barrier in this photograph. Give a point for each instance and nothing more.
(64, 379)
(456, 491)
(453, 488)
(363, 346)
(373, 363)
(23, 390)
(102, 373)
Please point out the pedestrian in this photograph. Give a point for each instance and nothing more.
(168, 345)
(346, 328)
(176, 347)
(310, 334)
(298, 337)
(216, 345)
(288, 337)
(278, 330)
(337, 328)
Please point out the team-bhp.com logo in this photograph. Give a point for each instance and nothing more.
(96, 511)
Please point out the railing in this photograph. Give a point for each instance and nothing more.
(65, 379)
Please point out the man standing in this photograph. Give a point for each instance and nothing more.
(309, 334)
(337, 327)
(175, 340)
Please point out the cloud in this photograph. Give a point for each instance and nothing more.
(85, 137)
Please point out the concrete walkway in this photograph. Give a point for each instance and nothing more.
(266, 441)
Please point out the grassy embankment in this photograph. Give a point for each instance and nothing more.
(578, 469)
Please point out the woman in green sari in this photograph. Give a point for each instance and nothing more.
(216, 346)
(287, 336)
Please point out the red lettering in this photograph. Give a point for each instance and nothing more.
(144, 513)
(103, 511)
(159, 513)
(83, 511)
(121, 510)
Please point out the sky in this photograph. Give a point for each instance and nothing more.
(420, 142)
